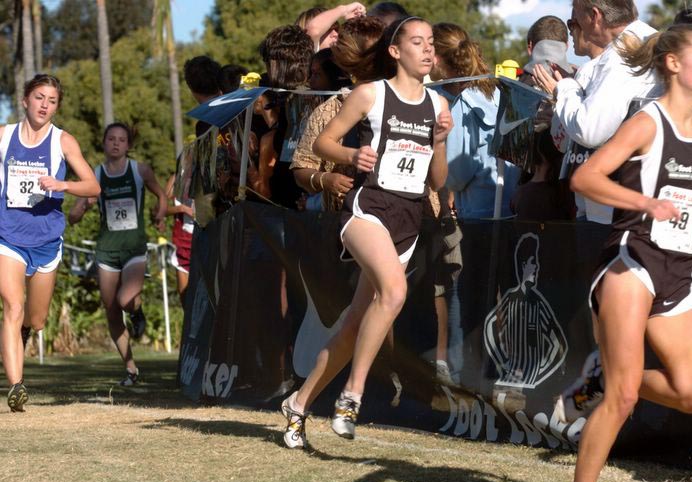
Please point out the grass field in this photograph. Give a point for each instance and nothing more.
(79, 426)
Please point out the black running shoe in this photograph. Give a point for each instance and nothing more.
(26, 333)
(17, 397)
(139, 323)
(130, 379)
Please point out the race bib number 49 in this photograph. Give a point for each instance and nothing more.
(404, 166)
(23, 188)
(121, 214)
(675, 235)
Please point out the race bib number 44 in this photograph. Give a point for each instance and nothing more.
(404, 166)
(23, 188)
(121, 214)
(675, 235)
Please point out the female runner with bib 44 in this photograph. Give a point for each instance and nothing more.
(643, 284)
(32, 175)
(402, 128)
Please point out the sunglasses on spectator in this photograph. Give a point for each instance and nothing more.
(572, 24)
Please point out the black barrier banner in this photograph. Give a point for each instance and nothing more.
(519, 326)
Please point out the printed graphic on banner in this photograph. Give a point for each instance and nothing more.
(522, 334)
(312, 335)
(513, 138)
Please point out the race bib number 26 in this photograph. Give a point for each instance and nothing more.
(23, 188)
(121, 214)
(675, 235)
(404, 166)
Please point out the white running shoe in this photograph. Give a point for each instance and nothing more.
(345, 416)
(442, 373)
(294, 435)
(584, 395)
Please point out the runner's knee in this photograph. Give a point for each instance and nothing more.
(393, 295)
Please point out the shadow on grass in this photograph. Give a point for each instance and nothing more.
(387, 468)
(653, 465)
(94, 379)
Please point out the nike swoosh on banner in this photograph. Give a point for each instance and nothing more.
(217, 102)
(425, 121)
(313, 335)
(507, 127)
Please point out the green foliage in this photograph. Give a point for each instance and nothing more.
(661, 15)
(71, 30)
(236, 28)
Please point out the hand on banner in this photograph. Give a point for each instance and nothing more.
(49, 183)
(545, 80)
(443, 125)
(364, 159)
(337, 183)
(352, 10)
(661, 209)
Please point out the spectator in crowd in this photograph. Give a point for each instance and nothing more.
(121, 246)
(31, 220)
(202, 75)
(287, 54)
(683, 16)
(591, 113)
(540, 195)
(322, 25)
(641, 290)
(388, 12)
(543, 197)
(582, 47)
(472, 170)
(312, 173)
(230, 77)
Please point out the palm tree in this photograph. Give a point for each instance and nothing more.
(27, 41)
(105, 62)
(38, 34)
(162, 23)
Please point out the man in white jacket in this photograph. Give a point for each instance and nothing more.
(591, 112)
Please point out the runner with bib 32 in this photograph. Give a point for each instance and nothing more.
(34, 155)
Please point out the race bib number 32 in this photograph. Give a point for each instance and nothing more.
(23, 188)
(404, 166)
(121, 214)
(675, 235)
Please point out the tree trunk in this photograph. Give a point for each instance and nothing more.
(18, 70)
(27, 41)
(105, 63)
(19, 90)
(175, 86)
(38, 35)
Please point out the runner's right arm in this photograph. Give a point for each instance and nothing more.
(591, 178)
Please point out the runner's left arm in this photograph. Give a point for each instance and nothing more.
(155, 188)
(87, 185)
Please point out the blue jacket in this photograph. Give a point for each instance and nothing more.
(472, 170)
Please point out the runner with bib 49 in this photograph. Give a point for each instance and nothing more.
(643, 285)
